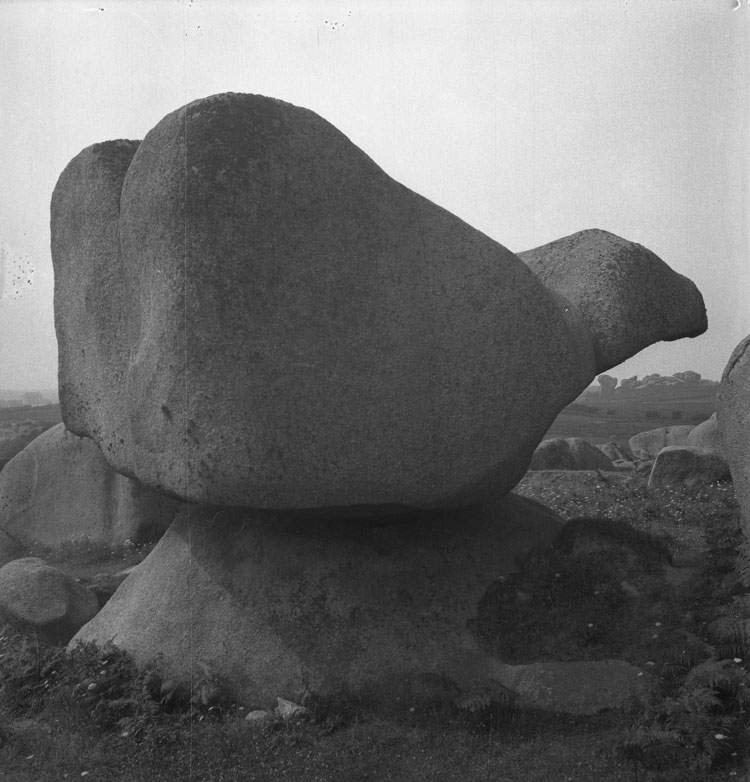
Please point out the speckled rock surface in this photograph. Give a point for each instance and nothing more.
(627, 296)
(733, 408)
(251, 312)
(274, 604)
(684, 465)
(38, 599)
(61, 490)
(646, 445)
(569, 453)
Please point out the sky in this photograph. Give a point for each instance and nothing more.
(530, 120)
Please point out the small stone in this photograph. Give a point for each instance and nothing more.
(288, 710)
(629, 589)
(258, 717)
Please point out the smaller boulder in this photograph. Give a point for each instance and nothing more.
(687, 466)
(585, 687)
(569, 453)
(258, 718)
(646, 445)
(104, 585)
(608, 385)
(707, 436)
(60, 490)
(38, 599)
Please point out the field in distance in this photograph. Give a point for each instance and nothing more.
(601, 419)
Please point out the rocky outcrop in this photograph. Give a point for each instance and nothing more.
(41, 600)
(274, 604)
(61, 490)
(570, 453)
(733, 407)
(707, 436)
(687, 466)
(646, 445)
(321, 336)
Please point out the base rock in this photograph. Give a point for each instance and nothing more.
(276, 606)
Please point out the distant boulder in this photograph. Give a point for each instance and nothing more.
(684, 465)
(646, 445)
(41, 600)
(688, 376)
(707, 436)
(60, 489)
(570, 453)
(608, 385)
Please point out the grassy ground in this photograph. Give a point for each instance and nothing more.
(93, 716)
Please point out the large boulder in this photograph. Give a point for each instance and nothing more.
(569, 453)
(272, 604)
(684, 465)
(61, 490)
(251, 312)
(733, 403)
(707, 436)
(41, 600)
(646, 445)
